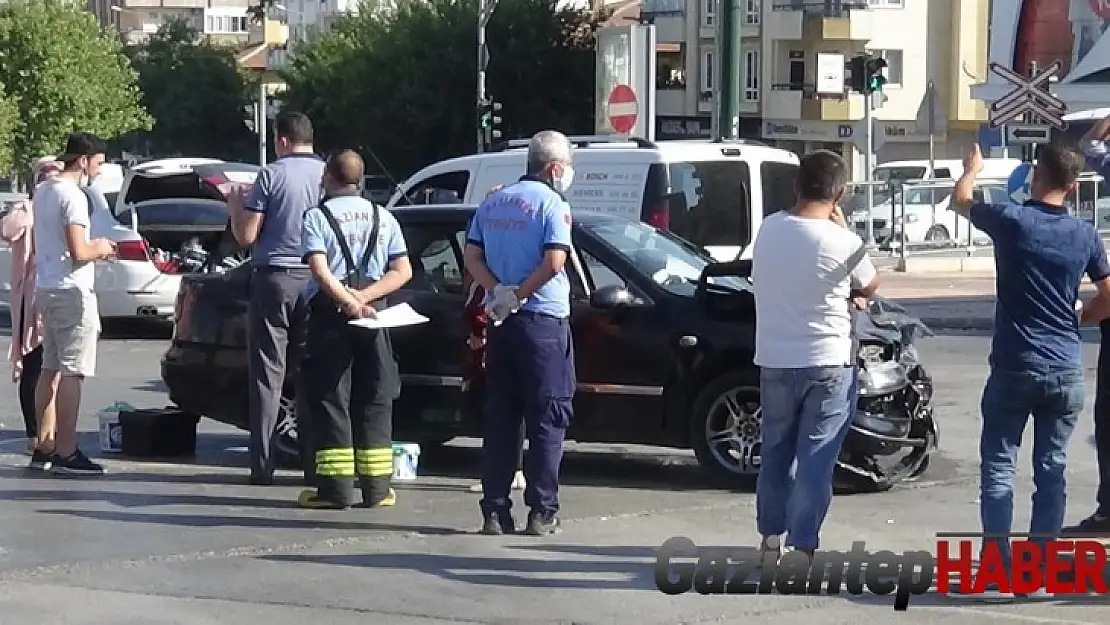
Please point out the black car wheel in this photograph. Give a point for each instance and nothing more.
(726, 429)
(286, 447)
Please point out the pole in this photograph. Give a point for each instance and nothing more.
(261, 127)
(932, 106)
(1027, 151)
(728, 46)
(485, 10)
(868, 163)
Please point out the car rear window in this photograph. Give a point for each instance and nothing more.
(205, 214)
(710, 205)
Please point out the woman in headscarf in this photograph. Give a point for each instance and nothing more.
(25, 351)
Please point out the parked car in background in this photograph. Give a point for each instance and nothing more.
(166, 222)
(664, 340)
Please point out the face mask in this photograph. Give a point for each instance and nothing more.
(563, 182)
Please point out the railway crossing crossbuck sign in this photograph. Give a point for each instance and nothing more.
(1030, 95)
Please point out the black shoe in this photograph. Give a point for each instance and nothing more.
(1096, 524)
(542, 524)
(76, 464)
(498, 523)
(41, 461)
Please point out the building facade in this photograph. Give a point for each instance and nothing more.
(940, 41)
(224, 21)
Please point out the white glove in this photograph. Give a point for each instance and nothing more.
(503, 303)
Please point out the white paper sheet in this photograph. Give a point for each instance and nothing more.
(392, 317)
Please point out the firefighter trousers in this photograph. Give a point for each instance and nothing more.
(351, 380)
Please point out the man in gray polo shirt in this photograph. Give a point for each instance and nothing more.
(270, 221)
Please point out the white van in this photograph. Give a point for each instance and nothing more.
(703, 191)
(927, 218)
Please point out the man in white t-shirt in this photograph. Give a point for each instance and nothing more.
(66, 301)
(807, 268)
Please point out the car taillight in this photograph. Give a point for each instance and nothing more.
(660, 216)
(132, 250)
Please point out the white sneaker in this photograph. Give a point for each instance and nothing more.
(518, 481)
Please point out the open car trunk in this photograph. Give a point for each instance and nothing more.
(182, 217)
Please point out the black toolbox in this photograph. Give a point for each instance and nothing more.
(158, 433)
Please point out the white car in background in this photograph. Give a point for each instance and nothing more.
(166, 217)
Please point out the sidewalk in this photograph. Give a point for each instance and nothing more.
(961, 301)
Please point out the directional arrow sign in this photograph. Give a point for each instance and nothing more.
(1028, 133)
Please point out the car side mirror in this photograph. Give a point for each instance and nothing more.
(612, 297)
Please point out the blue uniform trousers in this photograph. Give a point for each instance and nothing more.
(530, 376)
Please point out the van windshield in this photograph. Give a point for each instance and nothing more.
(709, 202)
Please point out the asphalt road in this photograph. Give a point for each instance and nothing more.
(189, 544)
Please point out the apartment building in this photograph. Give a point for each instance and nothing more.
(687, 68)
(224, 21)
(943, 41)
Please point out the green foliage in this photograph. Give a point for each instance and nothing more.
(196, 94)
(63, 74)
(9, 121)
(403, 83)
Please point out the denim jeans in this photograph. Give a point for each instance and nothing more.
(1055, 400)
(806, 415)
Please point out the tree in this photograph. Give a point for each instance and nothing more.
(401, 82)
(9, 120)
(63, 74)
(196, 94)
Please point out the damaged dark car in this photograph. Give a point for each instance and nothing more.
(664, 344)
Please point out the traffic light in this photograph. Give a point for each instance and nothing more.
(866, 73)
(857, 74)
(873, 69)
(489, 120)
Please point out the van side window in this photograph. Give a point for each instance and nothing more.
(779, 191)
(942, 173)
(446, 188)
(712, 202)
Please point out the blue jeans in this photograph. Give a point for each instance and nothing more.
(1055, 400)
(806, 415)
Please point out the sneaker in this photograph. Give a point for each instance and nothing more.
(498, 523)
(1096, 524)
(542, 524)
(312, 500)
(76, 464)
(518, 481)
(41, 461)
(770, 546)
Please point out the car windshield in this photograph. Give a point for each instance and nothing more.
(669, 261)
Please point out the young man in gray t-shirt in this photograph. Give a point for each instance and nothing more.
(269, 220)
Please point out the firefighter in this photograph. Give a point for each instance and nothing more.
(351, 377)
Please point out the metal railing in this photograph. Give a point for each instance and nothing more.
(912, 216)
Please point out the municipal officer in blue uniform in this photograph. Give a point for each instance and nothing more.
(516, 248)
(357, 256)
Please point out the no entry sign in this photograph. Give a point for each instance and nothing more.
(623, 109)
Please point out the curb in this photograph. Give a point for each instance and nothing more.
(958, 323)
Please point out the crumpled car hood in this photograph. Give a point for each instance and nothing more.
(890, 323)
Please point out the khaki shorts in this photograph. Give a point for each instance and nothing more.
(70, 327)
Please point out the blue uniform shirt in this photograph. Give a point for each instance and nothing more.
(283, 192)
(356, 220)
(1041, 253)
(514, 227)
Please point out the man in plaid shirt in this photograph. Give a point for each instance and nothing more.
(475, 362)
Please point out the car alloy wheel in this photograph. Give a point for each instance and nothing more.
(726, 428)
(734, 430)
(286, 446)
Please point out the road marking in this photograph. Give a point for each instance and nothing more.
(1005, 615)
